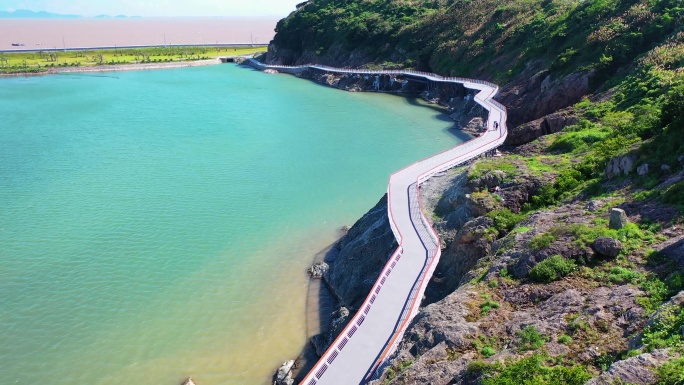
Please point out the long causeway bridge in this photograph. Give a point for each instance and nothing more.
(365, 346)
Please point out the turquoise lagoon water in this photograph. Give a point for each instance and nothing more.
(157, 224)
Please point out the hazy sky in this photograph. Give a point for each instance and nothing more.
(252, 8)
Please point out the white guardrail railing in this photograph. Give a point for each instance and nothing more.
(407, 182)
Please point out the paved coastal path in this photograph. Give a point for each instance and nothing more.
(370, 338)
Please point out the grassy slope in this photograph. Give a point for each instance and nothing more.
(635, 50)
(493, 38)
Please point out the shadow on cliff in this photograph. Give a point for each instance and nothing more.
(355, 262)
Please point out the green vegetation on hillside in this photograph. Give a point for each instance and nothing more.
(475, 37)
(531, 370)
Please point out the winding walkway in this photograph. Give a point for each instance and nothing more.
(370, 338)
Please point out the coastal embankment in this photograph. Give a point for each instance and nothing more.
(98, 59)
(118, 67)
(136, 67)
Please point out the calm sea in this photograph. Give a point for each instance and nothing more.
(89, 32)
(157, 224)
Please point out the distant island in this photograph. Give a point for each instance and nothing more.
(28, 14)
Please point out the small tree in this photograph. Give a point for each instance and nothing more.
(672, 116)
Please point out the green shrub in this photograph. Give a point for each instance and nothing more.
(672, 115)
(505, 219)
(533, 371)
(552, 269)
(666, 331)
(487, 306)
(674, 195)
(672, 373)
(605, 360)
(478, 367)
(656, 291)
(530, 338)
(565, 183)
(564, 339)
(573, 142)
(542, 241)
(622, 275)
(487, 351)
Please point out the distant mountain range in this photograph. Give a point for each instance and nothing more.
(27, 14)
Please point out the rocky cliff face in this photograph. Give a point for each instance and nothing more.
(533, 98)
(355, 262)
(481, 303)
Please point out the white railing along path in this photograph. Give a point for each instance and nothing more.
(364, 347)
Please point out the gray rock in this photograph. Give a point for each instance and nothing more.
(475, 125)
(345, 229)
(594, 205)
(320, 343)
(357, 259)
(637, 370)
(680, 158)
(549, 124)
(620, 165)
(340, 317)
(318, 270)
(607, 246)
(494, 178)
(665, 167)
(489, 180)
(618, 219)
(460, 257)
(284, 374)
(643, 169)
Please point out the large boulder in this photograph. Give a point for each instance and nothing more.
(620, 165)
(530, 131)
(535, 94)
(635, 370)
(491, 179)
(607, 246)
(284, 374)
(618, 219)
(339, 320)
(475, 125)
(643, 169)
(318, 270)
